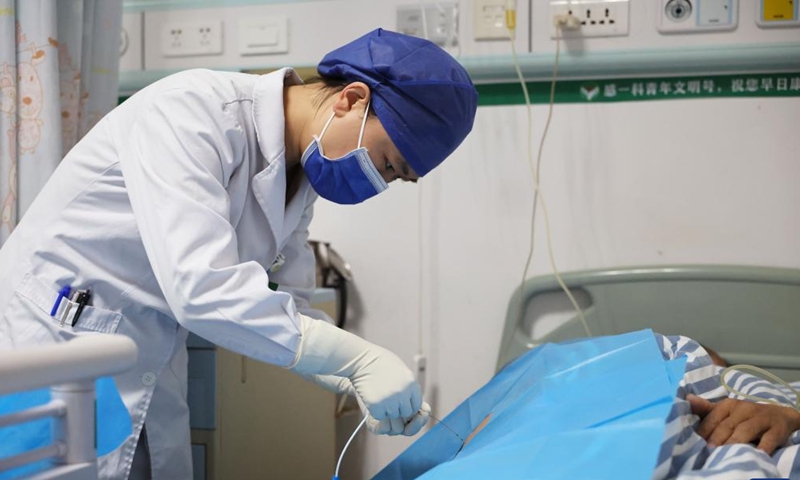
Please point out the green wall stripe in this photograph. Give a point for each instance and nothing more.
(641, 89)
(645, 89)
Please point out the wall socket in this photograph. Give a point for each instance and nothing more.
(489, 20)
(596, 18)
(183, 39)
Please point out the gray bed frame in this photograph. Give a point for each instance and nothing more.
(747, 314)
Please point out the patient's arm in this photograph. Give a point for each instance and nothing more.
(477, 430)
(736, 421)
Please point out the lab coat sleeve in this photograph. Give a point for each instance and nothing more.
(298, 275)
(176, 162)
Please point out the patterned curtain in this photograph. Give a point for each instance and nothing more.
(59, 66)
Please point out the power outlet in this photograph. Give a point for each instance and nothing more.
(489, 20)
(595, 18)
(183, 39)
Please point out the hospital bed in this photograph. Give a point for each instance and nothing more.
(70, 370)
(607, 405)
(747, 314)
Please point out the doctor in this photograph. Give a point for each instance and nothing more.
(187, 209)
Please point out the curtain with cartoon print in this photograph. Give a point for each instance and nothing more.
(59, 69)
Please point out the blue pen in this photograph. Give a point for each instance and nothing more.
(64, 292)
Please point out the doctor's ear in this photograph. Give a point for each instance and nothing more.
(355, 96)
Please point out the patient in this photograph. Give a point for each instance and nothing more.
(740, 421)
(709, 433)
(733, 421)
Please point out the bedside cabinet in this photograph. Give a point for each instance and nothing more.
(251, 420)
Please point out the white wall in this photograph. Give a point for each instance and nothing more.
(316, 27)
(703, 181)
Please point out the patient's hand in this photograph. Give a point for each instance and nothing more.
(735, 421)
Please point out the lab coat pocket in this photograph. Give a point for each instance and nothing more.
(29, 321)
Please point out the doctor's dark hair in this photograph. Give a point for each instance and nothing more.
(329, 86)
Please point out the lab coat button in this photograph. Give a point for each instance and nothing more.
(148, 379)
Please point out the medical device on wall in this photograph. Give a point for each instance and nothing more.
(778, 13)
(695, 16)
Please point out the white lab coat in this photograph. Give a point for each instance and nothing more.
(172, 210)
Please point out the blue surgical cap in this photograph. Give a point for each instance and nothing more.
(423, 97)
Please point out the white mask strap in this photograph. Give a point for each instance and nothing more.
(363, 124)
(326, 125)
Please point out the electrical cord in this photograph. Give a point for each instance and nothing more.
(535, 169)
(760, 371)
(567, 21)
(346, 445)
(420, 244)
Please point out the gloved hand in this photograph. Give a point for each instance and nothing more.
(406, 426)
(398, 426)
(381, 381)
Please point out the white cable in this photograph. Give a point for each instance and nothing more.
(760, 371)
(511, 23)
(421, 323)
(346, 445)
(539, 196)
(421, 326)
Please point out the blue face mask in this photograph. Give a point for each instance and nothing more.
(347, 180)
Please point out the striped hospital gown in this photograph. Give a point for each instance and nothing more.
(684, 454)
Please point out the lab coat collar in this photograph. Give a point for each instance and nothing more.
(268, 115)
(269, 185)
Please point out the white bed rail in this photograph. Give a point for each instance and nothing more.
(70, 369)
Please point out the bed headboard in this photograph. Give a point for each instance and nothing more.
(747, 314)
